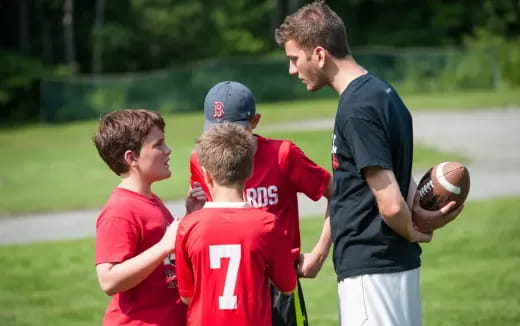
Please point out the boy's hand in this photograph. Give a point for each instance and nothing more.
(169, 237)
(196, 198)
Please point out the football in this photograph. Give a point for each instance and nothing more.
(443, 183)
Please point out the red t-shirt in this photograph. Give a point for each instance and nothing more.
(226, 254)
(129, 224)
(281, 171)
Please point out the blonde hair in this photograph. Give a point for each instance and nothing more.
(227, 152)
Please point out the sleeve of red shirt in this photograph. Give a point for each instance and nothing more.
(196, 174)
(116, 239)
(183, 267)
(306, 176)
(281, 269)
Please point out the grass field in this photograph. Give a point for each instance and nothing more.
(469, 276)
(46, 168)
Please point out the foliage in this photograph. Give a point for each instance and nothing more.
(18, 74)
(183, 87)
(504, 51)
(141, 35)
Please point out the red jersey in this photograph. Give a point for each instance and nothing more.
(226, 254)
(281, 171)
(129, 224)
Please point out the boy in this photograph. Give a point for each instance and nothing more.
(228, 251)
(281, 171)
(133, 240)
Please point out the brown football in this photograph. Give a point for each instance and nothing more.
(443, 183)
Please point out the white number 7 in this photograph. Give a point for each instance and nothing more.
(227, 301)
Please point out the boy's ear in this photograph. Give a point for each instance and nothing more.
(207, 178)
(254, 121)
(130, 158)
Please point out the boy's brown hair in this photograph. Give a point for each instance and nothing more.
(315, 25)
(121, 131)
(227, 152)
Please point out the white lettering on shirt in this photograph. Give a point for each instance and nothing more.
(334, 147)
(262, 196)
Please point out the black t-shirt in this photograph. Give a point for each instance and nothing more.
(373, 127)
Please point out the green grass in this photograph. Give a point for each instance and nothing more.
(57, 168)
(469, 276)
(46, 168)
(469, 272)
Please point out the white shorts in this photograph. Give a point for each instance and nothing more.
(392, 299)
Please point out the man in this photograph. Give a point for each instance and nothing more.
(281, 171)
(376, 252)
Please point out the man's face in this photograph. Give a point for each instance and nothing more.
(304, 65)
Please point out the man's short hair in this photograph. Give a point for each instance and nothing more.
(315, 25)
(121, 131)
(227, 152)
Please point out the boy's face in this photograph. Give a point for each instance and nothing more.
(152, 163)
(304, 65)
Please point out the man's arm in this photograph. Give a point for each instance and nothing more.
(310, 264)
(115, 278)
(391, 204)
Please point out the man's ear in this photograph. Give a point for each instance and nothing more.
(254, 121)
(321, 55)
(130, 158)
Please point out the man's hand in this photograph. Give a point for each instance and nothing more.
(419, 236)
(427, 221)
(196, 198)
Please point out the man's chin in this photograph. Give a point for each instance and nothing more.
(312, 88)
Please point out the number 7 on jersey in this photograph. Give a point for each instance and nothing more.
(227, 301)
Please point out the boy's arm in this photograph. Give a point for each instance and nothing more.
(281, 270)
(183, 267)
(119, 277)
(196, 175)
(309, 264)
(315, 182)
(195, 199)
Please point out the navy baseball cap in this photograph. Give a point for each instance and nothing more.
(229, 101)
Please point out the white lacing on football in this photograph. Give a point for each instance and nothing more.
(426, 188)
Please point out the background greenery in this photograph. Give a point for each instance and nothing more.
(66, 59)
(469, 275)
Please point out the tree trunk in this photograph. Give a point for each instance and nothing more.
(23, 27)
(97, 53)
(68, 30)
(45, 35)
